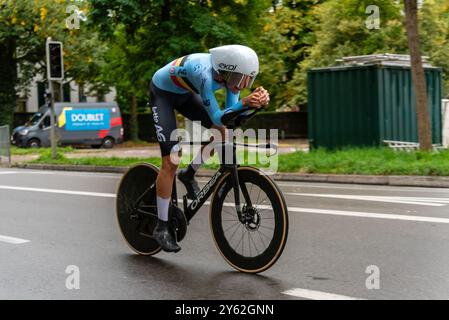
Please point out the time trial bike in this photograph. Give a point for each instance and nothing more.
(248, 214)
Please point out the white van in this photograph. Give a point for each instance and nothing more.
(96, 124)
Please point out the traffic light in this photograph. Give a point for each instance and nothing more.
(55, 64)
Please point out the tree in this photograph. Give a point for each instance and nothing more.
(19, 22)
(434, 36)
(419, 80)
(283, 36)
(146, 35)
(24, 27)
(340, 31)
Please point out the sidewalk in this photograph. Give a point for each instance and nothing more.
(148, 151)
(285, 146)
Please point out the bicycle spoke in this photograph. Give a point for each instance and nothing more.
(249, 245)
(234, 233)
(238, 244)
(229, 213)
(258, 196)
(255, 247)
(261, 226)
(243, 235)
(259, 204)
(260, 232)
(261, 239)
(231, 226)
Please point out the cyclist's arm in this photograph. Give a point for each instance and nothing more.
(232, 100)
(211, 103)
(233, 103)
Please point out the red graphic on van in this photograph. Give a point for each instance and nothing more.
(115, 122)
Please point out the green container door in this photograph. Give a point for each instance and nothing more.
(362, 106)
(397, 106)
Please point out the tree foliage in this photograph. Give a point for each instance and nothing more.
(24, 28)
(125, 41)
(282, 41)
(341, 31)
(145, 35)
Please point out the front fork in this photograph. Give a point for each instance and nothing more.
(237, 186)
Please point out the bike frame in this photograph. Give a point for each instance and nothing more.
(191, 209)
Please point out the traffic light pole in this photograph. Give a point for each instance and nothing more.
(55, 72)
(52, 120)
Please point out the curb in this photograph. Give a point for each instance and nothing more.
(410, 181)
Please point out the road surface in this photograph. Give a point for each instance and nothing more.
(345, 242)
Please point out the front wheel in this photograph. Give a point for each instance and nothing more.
(256, 242)
(34, 143)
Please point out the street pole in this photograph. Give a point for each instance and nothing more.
(55, 72)
(52, 120)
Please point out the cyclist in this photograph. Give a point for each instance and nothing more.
(187, 85)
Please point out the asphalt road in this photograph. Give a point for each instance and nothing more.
(345, 241)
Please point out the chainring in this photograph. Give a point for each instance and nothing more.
(178, 222)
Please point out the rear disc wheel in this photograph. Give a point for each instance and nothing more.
(137, 209)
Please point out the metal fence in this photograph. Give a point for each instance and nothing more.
(409, 146)
(5, 152)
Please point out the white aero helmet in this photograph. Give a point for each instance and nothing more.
(238, 65)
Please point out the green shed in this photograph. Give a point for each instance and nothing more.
(365, 104)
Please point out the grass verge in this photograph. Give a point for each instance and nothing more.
(15, 151)
(362, 161)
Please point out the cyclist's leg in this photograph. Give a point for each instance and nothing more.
(164, 118)
(194, 110)
(162, 105)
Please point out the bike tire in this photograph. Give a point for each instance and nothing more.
(219, 215)
(137, 232)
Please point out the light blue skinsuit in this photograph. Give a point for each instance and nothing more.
(194, 73)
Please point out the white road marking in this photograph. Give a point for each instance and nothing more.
(436, 202)
(319, 185)
(317, 295)
(12, 240)
(324, 185)
(265, 207)
(77, 193)
(8, 172)
(348, 213)
(370, 215)
(73, 173)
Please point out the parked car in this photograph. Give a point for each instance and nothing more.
(96, 124)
